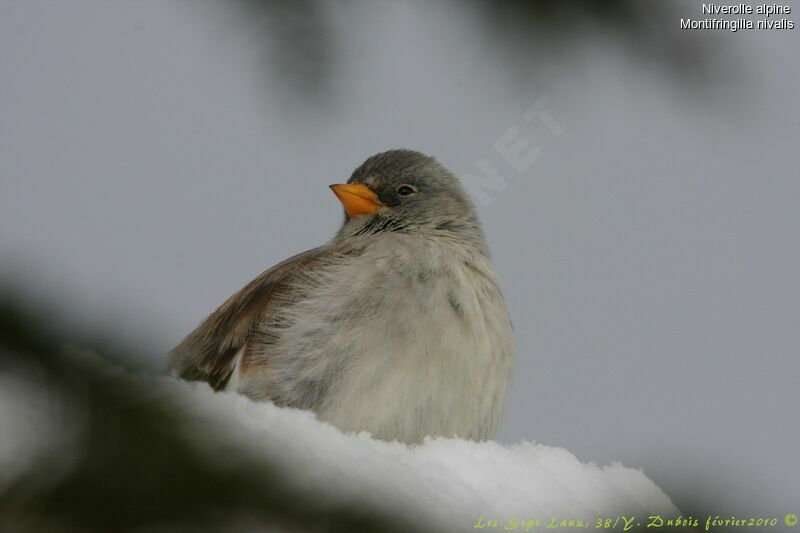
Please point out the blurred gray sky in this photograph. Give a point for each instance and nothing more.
(151, 163)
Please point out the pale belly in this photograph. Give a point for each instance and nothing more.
(400, 351)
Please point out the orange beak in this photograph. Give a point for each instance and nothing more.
(356, 198)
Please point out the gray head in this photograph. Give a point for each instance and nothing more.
(408, 192)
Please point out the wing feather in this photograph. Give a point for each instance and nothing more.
(209, 352)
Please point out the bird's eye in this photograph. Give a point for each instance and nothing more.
(406, 190)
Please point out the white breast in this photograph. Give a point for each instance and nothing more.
(409, 339)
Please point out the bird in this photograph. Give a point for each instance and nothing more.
(397, 326)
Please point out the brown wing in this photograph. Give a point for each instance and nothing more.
(208, 353)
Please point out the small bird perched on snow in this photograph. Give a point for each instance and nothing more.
(397, 326)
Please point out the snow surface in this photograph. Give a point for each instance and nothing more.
(443, 484)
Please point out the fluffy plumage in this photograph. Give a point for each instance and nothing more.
(397, 326)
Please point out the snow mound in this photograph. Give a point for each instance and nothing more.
(448, 484)
(440, 485)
